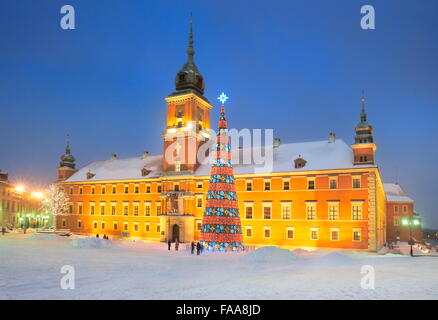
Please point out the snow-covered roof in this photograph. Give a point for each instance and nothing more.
(394, 193)
(320, 155)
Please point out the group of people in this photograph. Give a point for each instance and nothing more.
(104, 236)
(193, 245)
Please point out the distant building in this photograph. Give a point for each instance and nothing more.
(18, 209)
(402, 222)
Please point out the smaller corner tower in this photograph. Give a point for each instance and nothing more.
(364, 146)
(67, 166)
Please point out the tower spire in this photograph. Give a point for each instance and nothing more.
(67, 148)
(191, 50)
(363, 115)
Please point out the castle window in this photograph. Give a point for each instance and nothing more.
(80, 208)
(136, 189)
(126, 189)
(248, 210)
(136, 226)
(333, 183)
(93, 190)
(94, 224)
(102, 225)
(248, 231)
(333, 209)
(289, 233)
(199, 185)
(248, 186)
(405, 209)
(356, 182)
(299, 163)
(80, 190)
(114, 189)
(70, 209)
(79, 224)
(71, 190)
(334, 234)
(125, 209)
(314, 233)
(158, 228)
(199, 226)
(182, 76)
(267, 232)
(136, 209)
(199, 201)
(102, 209)
(356, 210)
(103, 189)
(286, 185)
(286, 210)
(113, 208)
(91, 208)
(147, 209)
(115, 225)
(159, 188)
(267, 185)
(395, 209)
(311, 210)
(267, 211)
(125, 226)
(147, 227)
(310, 183)
(356, 234)
(176, 187)
(158, 209)
(396, 221)
(148, 188)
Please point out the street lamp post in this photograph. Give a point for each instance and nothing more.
(410, 221)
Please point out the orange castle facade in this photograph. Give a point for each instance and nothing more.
(322, 194)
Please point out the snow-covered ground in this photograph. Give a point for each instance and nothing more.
(30, 269)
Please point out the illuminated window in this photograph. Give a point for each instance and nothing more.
(80, 208)
(333, 210)
(136, 226)
(95, 224)
(147, 227)
(113, 208)
(356, 234)
(115, 225)
(311, 210)
(199, 226)
(102, 225)
(92, 208)
(158, 228)
(286, 210)
(125, 209)
(405, 209)
(396, 221)
(314, 233)
(248, 231)
(356, 210)
(147, 209)
(395, 209)
(102, 209)
(177, 166)
(158, 209)
(248, 210)
(136, 209)
(199, 201)
(125, 226)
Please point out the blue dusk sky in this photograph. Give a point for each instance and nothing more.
(298, 67)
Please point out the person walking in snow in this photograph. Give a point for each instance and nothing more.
(169, 245)
(193, 246)
(176, 245)
(198, 248)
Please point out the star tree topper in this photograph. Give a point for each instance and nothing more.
(223, 98)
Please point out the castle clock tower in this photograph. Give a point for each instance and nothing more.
(67, 166)
(364, 146)
(188, 118)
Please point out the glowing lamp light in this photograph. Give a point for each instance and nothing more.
(19, 188)
(416, 222)
(37, 195)
(405, 222)
(171, 130)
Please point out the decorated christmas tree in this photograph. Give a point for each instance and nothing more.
(221, 227)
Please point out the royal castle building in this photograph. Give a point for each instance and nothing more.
(316, 194)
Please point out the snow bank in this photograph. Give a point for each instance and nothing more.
(92, 243)
(48, 237)
(335, 258)
(269, 254)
